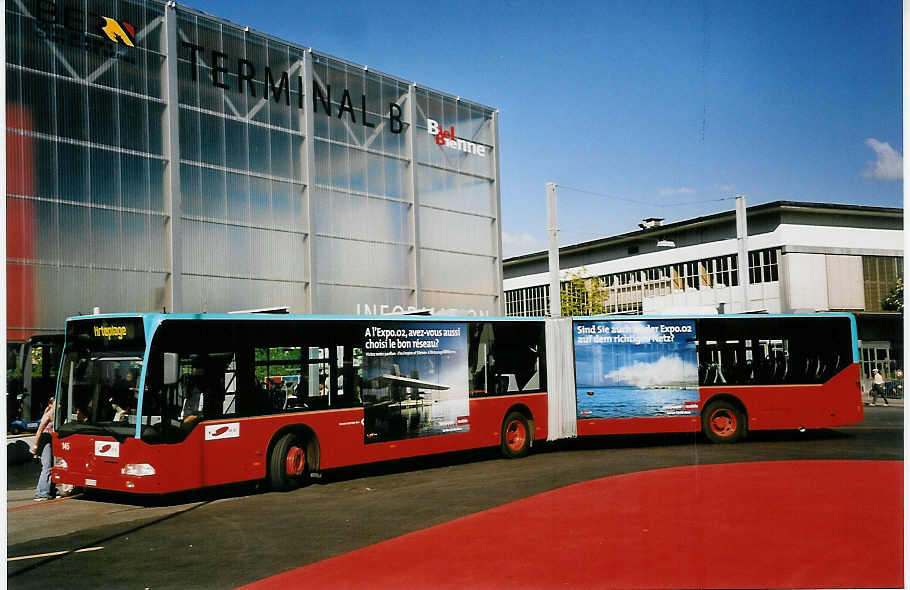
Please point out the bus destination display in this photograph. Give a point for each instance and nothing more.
(104, 334)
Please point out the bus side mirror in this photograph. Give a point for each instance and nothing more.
(170, 368)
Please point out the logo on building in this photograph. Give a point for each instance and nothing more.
(448, 138)
(118, 32)
(68, 23)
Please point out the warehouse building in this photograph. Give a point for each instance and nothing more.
(162, 158)
(802, 257)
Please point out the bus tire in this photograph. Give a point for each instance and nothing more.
(723, 422)
(516, 436)
(288, 462)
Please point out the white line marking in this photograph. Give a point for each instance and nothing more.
(37, 555)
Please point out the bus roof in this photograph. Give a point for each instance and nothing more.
(432, 318)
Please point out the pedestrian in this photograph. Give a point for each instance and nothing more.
(878, 389)
(41, 448)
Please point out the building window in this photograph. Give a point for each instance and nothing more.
(657, 281)
(622, 279)
(513, 302)
(679, 283)
(576, 295)
(876, 355)
(725, 271)
(627, 289)
(706, 276)
(880, 274)
(763, 265)
(693, 278)
(528, 301)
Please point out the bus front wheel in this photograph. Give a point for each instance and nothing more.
(287, 463)
(723, 422)
(516, 436)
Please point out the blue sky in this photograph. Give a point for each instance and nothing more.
(656, 104)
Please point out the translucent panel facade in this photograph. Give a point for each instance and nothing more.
(158, 157)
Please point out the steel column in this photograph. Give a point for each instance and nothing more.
(310, 151)
(553, 234)
(742, 248)
(497, 221)
(414, 215)
(173, 205)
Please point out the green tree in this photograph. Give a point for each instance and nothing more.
(581, 295)
(894, 301)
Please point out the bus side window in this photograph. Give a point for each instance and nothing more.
(518, 353)
(771, 351)
(350, 377)
(506, 358)
(278, 371)
(481, 379)
(229, 406)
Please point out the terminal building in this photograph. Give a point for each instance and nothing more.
(159, 158)
(802, 258)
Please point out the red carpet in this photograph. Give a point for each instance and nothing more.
(807, 524)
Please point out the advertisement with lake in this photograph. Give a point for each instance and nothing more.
(415, 380)
(635, 369)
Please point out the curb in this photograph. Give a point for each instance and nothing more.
(893, 402)
(34, 504)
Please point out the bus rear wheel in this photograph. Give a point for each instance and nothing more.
(287, 463)
(516, 436)
(723, 422)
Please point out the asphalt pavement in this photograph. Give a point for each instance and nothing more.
(226, 537)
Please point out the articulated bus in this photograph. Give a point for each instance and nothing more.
(158, 403)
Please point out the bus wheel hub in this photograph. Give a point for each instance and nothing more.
(723, 422)
(515, 435)
(296, 461)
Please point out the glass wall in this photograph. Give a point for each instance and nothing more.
(242, 184)
(458, 202)
(85, 165)
(278, 175)
(362, 197)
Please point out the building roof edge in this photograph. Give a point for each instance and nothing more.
(708, 220)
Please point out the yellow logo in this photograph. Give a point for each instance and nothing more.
(114, 31)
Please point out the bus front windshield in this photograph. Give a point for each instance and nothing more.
(99, 392)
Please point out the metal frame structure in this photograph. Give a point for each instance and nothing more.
(186, 254)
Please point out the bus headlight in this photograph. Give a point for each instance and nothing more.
(60, 463)
(138, 469)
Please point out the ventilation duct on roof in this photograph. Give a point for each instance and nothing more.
(650, 222)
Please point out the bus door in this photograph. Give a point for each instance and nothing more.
(329, 393)
(40, 363)
(208, 390)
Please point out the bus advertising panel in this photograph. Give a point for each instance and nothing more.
(635, 369)
(415, 380)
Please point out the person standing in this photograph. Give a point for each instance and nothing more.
(41, 448)
(878, 386)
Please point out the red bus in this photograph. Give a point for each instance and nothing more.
(155, 403)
